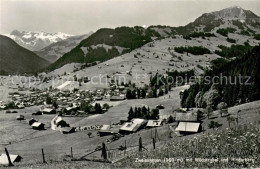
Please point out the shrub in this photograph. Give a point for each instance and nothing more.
(225, 31)
(214, 124)
(257, 37)
(195, 50)
(230, 40)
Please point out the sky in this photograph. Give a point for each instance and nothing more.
(82, 16)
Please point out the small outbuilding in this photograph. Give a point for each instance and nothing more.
(38, 126)
(48, 111)
(20, 117)
(154, 123)
(32, 121)
(188, 127)
(67, 130)
(14, 158)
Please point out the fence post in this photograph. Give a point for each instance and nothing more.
(140, 144)
(71, 153)
(8, 157)
(156, 134)
(104, 152)
(125, 148)
(153, 143)
(43, 158)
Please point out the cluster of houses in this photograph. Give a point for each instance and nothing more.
(64, 97)
(187, 123)
(133, 126)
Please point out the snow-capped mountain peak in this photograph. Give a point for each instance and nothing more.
(37, 40)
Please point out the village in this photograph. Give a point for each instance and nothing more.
(105, 116)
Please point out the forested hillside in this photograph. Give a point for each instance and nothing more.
(228, 90)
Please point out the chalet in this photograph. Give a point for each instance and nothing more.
(20, 117)
(129, 127)
(13, 158)
(133, 126)
(38, 126)
(107, 130)
(2, 107)
(154, 123)
(48, 111)
(188, 127)
(20, 106)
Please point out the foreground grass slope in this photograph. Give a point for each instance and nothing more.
(232, 144)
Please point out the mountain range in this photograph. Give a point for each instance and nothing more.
(55, 50)
(106, 43)
(35, 41)
(16, 59)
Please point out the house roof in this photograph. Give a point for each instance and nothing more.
(154, 123)
(4, 159)
(188, 127)
(193, 116)
(47, 110)
(66, 129)
(37, 124)
(139, 121)
(130, 126)
(105, 127)
(58, 119)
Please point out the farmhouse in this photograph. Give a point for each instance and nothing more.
(154, 123)
(38, 126)
(188, 127)
(14, 158)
